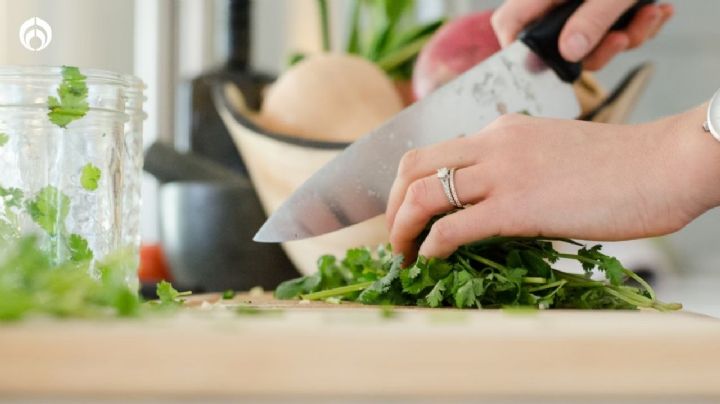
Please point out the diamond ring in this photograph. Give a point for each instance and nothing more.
(447, 178)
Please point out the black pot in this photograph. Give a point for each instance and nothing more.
(206, 230)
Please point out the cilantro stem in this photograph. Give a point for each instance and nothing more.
(483, 260)
(642, 283)
(631, 299)
(578, 280)
(548, 286)
(343, 290)
(534, 279)
(579, 258)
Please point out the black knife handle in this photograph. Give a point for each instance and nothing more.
(542, 36)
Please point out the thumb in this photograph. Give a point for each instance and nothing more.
(588, 25)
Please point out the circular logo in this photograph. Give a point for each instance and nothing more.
(35, 34)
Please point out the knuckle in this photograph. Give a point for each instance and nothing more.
(508, 120)
(592, 27)
(417, 195)
(442, 233)
(497, 19)
(408, 162)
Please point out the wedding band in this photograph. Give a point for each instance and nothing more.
(447, 179)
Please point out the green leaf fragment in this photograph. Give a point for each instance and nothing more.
(299, 286)
(90, 176)
(79, 250)
(167, 294)
(4, 138)
(373, 293)
(13, 197)
(436, 295)
(71, 102)
(49, 209)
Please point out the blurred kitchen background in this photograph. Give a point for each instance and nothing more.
(170, 44)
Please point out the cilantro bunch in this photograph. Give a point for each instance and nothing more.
(493, 273)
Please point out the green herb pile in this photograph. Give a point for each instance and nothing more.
(493, 273)
(31, 284)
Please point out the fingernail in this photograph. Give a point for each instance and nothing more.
(576, 47)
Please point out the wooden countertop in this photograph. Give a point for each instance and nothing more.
(319, 349)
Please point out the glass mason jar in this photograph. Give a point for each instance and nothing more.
(71, 161)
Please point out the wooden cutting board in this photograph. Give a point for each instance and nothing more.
(289, 349)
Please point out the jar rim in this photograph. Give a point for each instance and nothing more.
(94, 76)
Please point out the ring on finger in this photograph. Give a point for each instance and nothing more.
(447, 179)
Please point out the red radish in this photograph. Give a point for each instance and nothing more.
(456, 47)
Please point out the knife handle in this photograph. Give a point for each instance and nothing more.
(542, 36)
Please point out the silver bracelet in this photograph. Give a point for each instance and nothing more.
(712, 122)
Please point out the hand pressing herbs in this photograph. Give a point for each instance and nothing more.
(492, 273)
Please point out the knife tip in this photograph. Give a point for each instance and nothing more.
(261, 237)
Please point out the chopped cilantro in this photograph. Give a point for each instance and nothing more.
(30, 283)
(71, 101)
(49, 209)
(11, 196)
(89, 177)
(79, 250)
(498, 272)
(167, 295)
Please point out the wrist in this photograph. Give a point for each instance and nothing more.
(693, 158)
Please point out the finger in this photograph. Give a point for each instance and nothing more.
(667, 11)
(642, 24)
(513, 15)
(614, 43)
(588, 25)
(419, 163)
(426, 199)
(464, 226)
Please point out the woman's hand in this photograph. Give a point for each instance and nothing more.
(585, 36)
(528, 176)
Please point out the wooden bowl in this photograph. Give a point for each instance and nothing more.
(278, 164)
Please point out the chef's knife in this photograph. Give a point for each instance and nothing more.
(527, 76)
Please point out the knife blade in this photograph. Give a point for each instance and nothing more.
(528, 76)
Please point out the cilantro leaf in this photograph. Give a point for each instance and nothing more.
(436, 296)
(71, 101)
(49, 209)
(168, 295)
(465, 295)
(13, 196)
(295, 287)
(79, 250)
(375, 291)
(613, 269)
(4, 138)
(89, 177)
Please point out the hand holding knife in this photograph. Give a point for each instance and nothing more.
(528, 76)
